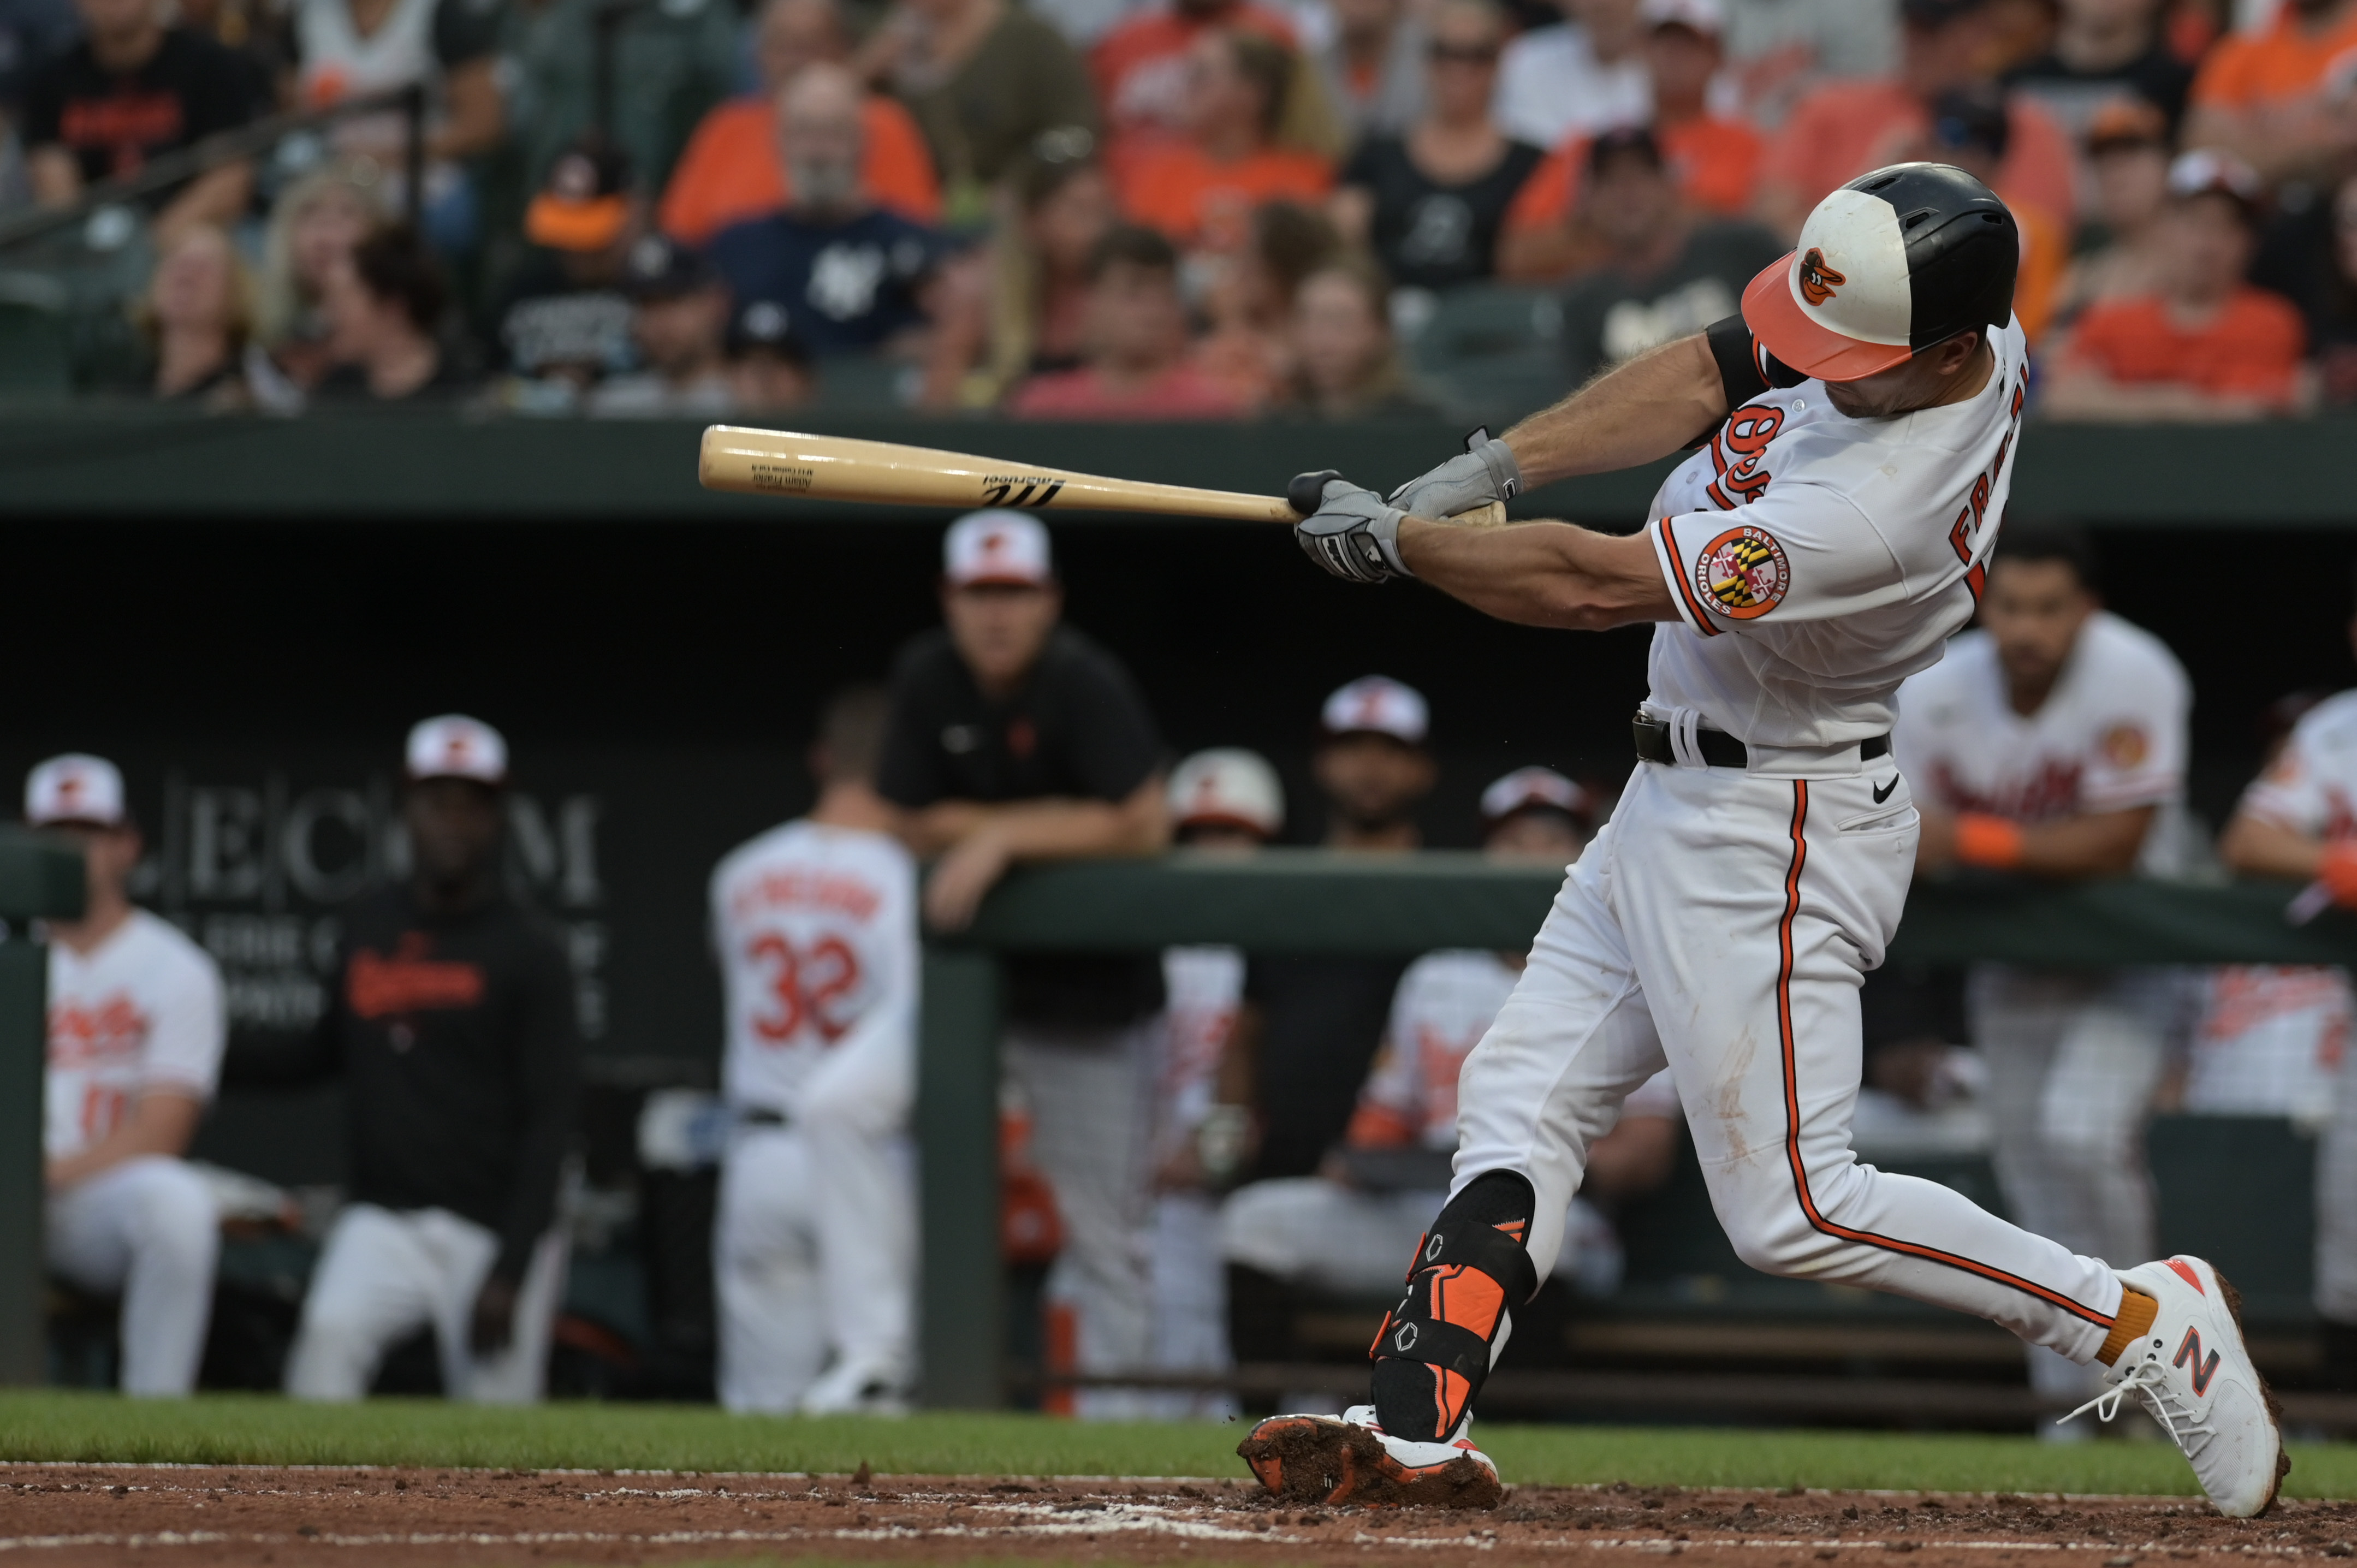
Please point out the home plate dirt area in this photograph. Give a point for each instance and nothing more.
(171, 1515)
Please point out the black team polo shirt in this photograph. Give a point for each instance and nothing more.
(1078, 729)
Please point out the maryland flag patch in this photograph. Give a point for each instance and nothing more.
(1743, 573)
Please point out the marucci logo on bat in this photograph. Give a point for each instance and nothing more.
(1019, 490)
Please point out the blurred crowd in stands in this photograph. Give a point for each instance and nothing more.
(1151, 208)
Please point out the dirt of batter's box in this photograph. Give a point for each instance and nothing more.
(169, 1516)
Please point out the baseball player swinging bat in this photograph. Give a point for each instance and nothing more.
(838, 468)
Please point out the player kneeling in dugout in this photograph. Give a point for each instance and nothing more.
(451, 1022)
(1346, 1228)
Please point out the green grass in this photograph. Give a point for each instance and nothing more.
(252, 1429)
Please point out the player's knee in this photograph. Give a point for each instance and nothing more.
(1767, 1227)
(177, 1220)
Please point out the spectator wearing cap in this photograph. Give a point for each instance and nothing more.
(2204, 344)
(1582, 75)
(1430, 198)
(986, 80)
(679, 320)
(2116, 252)
(564, 321)
(768, 369)
(451, 1019)
(733, 168)
(385, 304)
(1133, 345)
(2277, 96)
(851, 273)
(1342, 1230)
(1714, 160)
(2104, 52)
(135, 1025)
(1844, 129)
(133, 89)
(1310, 1025)
(1014, 738)
(1226, 802)
(1660, 271)
(1201, 188)
(2312, 260)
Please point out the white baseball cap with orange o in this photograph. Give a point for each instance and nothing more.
(997, 546)
(456, 747)
(1228, 786)
(1377, 704)
(75, 788)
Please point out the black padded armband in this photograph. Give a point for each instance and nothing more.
(1745, 369)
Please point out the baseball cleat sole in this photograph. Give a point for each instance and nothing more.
(1316, 1459)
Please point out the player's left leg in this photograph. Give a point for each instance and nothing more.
(765, 1270)
(149, 1228)
(518, 1373)
(853, 1115)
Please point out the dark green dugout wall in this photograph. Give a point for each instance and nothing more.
(248, 615)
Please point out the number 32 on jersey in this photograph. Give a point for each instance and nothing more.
(809, 987)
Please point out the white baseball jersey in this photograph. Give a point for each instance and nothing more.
(2111, 735)
(1203, 987)
(2311, 786)
(816, 928)
(144, 1010)
(1817, 560)
(1445, 1004)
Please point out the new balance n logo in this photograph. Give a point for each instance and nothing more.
(2188, 1354)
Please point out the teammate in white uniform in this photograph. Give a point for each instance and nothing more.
(814, 1244)
(1224, 801)
(1829, 538)
(137, 1022)
(2052, 741)
(2299, 819)
(1336, 1231)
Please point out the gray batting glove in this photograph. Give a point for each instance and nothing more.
(1353, 534)
(1485, 471)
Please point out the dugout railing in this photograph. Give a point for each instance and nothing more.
(1307, 901)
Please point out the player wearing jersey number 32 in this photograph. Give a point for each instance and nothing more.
(1854, 428)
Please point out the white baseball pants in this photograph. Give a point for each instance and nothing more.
(149, 1228)
(814, 1258)
(1722, 923)
(1091, 1094)
(1191, 1303)
(2335, 1200)
(386, 1273)
(2074, 1060)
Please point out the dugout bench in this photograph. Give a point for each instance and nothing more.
(1307, 901)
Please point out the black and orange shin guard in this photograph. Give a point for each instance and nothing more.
(1471, 1272)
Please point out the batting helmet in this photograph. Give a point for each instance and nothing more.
(1894, 260)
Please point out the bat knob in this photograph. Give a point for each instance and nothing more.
(1303, 492)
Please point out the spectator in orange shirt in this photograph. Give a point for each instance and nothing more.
(1845, 128)
(1715, 161)
(1136, 337)
(1431, 202)
(732, 169)
(1202, 191)
(2281, 100)
(1141, 71)
(2206, 345)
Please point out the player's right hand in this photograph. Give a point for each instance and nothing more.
(1353, 534)
(1484, 472)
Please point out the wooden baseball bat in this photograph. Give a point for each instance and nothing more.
(835, 467)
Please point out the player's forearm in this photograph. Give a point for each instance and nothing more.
(1075, 830)
(1541, 574)
(1645, 408)
(2256, 847)
(162, 1122)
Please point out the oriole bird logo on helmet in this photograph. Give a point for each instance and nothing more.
(1818, 281)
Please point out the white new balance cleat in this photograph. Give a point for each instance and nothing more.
(2192, 1371)
(1319, 1459)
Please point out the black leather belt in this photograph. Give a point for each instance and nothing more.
(1718, 748)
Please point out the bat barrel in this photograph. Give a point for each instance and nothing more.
(835, 467)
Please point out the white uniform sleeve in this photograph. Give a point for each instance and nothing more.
(190, 1027)
(868, 1078)
(2295, 790)
(2136, 755)
(1801, 551)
